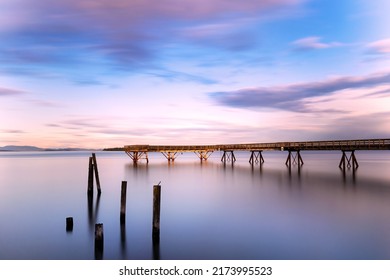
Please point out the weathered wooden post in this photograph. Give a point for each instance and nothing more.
(96, 172)
(156, 211)
(99, 241)
(123, 202)
(90, 176)
(69, 224)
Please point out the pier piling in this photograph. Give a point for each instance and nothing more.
(69, 224)
(123, 202)
(348, 161)
(294, 158)
(156, 211)
(228, 156)
(99, 241)
(95, 168)
(256, 157)
(90, 176)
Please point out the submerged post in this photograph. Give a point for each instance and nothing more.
(90, 176)
(99, 241)
(69, 224)
(123, 202)
(96, 173)
(156, 210)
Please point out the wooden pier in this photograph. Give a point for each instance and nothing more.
(347, 147)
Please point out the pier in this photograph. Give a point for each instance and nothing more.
(347, 147)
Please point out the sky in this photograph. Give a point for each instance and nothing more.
(109, 73)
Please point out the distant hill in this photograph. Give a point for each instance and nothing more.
(114, 149)
(11, 148)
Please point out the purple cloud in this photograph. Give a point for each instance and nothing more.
(120, 34)
(292, 97)
(13, 131)
(10, 92)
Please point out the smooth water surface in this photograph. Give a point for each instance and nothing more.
(208, 211)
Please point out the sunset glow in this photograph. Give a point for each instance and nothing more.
(109, 73)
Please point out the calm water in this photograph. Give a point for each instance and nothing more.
(208, 211)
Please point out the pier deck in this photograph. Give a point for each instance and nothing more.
(138, 152)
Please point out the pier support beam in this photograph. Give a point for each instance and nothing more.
(136, 156)
(203, 155)
(170, 156)
(256, 157)
(348, 160)
(156, 212)
(228, 156)
(294, 157)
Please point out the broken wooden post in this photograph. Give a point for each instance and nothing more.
(123, 202)
(99, 241)
(69, 224)
(156, 210)
(90, 176)
(96, 173)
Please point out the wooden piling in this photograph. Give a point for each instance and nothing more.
(355, 164)
(90, 176)
(156, 210)
(96, 172)
(123, 202)
(99, 237)
(69, 224)
(288, 161)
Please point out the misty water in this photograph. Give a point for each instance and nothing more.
(208, 210)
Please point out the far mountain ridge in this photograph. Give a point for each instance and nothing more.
(15, 148)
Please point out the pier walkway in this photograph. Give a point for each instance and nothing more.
(347, 147)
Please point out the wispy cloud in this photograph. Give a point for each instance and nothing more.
(313, 43)
(44, 103)
(10, 92)
(12, 131)
(379, 47)
(376, 125)
(294, 97)
(119, 34)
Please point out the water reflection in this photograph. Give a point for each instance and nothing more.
(93, 211)
(123, 240)
(208, 210)
(156, 246)
(351, 173)
(99, 241)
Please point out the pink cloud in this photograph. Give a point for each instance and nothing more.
(173, 8)
(380, 47)
(313, 43)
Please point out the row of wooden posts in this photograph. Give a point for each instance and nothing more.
(99, 234)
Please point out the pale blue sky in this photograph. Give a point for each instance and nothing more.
(110, 73)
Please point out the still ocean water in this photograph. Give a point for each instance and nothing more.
(208, 211)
